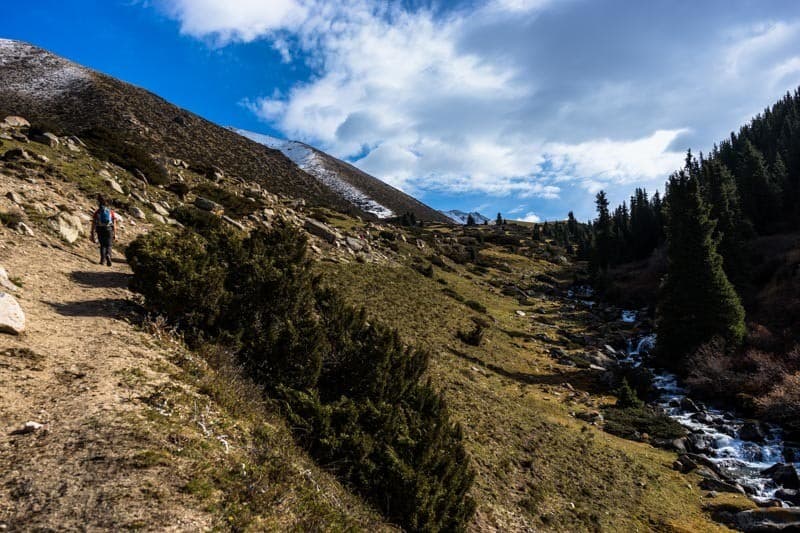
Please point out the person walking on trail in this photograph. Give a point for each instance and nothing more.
(104, 226)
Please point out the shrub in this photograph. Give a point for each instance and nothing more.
(10, 218)
(426, 271)
(453, 294)
(350, 387)
(476, 306)
(633, 422)
(473, 337)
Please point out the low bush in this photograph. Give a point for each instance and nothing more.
(634, 422)
(351, 388)
(476, 306)
(453, 294)
(107, 144)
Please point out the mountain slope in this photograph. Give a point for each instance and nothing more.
(52, 91)
(362, 190)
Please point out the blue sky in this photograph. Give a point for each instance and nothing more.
(528, 107)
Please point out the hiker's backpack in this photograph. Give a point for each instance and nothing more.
(104, 217)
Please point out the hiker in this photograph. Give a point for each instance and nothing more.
(104, 225)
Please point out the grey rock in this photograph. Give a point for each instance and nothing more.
(138, 213)
(46, 138)
(6, 283)
(16, 153)
(784, 475)
(12, 318)
(354, 244)
(232, 222)
(114, 185)
(15, 121)
(69, 227)
(15, 197)
(753, 431)
(769, 519)
(23, 229)
(789, 495)
(207, 205)
(719, 485)
(317, 228)
(27, 427)
(158, 218)
(158, 208)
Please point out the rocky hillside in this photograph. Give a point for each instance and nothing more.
(144, 131)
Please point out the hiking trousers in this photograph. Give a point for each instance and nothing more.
(104, 238)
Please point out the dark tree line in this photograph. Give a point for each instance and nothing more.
(748, 186)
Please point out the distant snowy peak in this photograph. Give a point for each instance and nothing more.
(316, 164)
(461, 217)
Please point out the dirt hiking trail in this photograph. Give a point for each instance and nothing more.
(72, 372)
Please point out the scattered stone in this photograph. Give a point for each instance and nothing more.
(317, 228)
(138, 213)
(354, 244)
(520, 312)
(784, 475)
(232, 222)
(5, 282)
(69, 227)
(27, 427)
(688, 405)
(15, 121)
(23, 229)
(15, 197)
(158, 218)
(207, 205)
(769, 519)
(46, 138)
(719, 485)
(12, 319)
(103, 173)
(158, 208)
(114, 185)
(16, 153)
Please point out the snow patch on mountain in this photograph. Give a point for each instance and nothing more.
(30, 71)
(313, 162)
(460, 217)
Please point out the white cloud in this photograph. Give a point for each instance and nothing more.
(517, 98)
(531, 217)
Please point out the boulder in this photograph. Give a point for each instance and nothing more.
(207, 205)
(15, 121)
(784, 475)
(687, 404)
(138, 213)
(769, 519)
(158, 218)
(69, 227)
(12, 319)
(315, 227)
(752, 430)
(46, 138)
(114, 185)
(16, 153)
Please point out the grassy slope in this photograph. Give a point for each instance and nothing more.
(539, 467)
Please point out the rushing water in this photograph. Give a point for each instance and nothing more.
(717, 431)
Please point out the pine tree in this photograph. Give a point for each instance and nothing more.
(731, 230)
(697, 302)
(603, 234)
(760, 196)
(470, 220)
(499, 220)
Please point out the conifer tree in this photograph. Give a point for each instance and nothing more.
(603, 234)
(697, 302)
(760, 200)
(499, 219)
(470, 220)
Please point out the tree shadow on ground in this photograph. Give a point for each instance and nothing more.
(585, 380)
(101, 279)
(104, 307)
